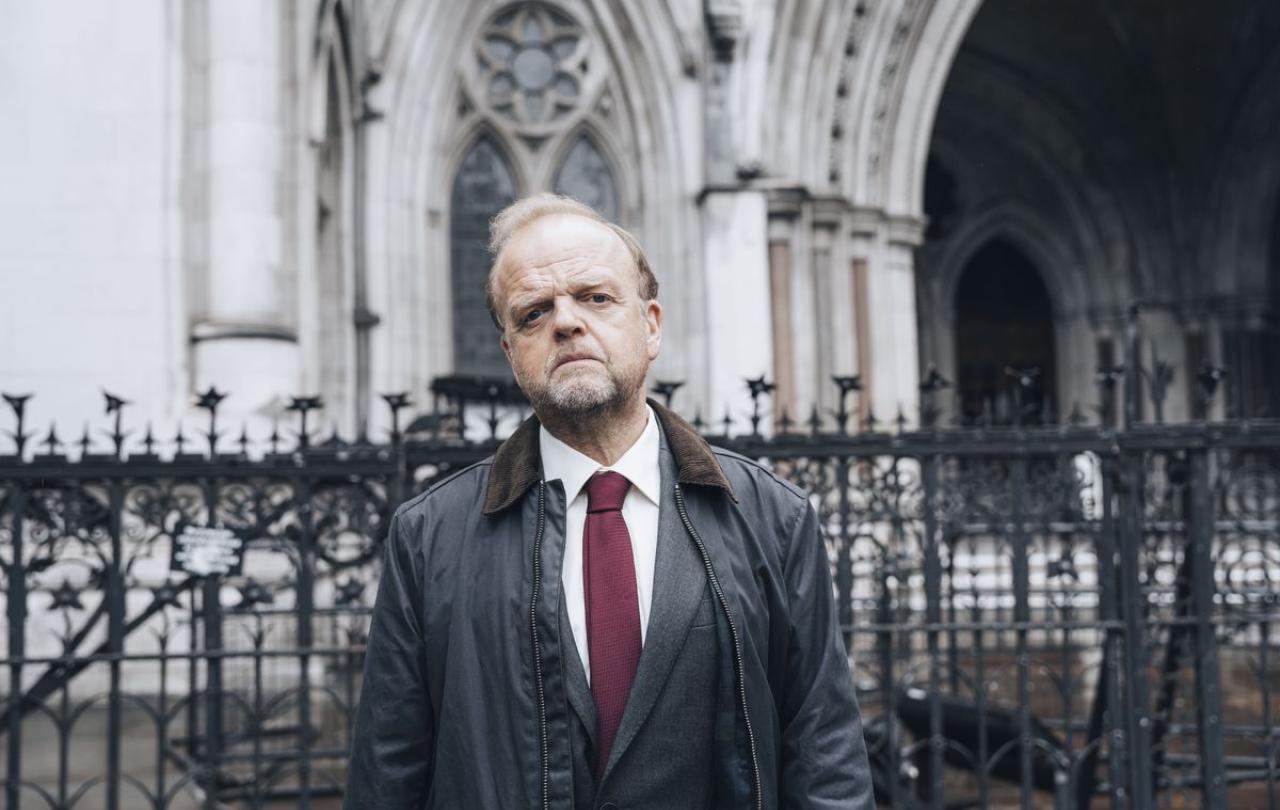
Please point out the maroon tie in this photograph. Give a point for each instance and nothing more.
(613, 609)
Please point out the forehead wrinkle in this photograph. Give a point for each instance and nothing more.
(603, 249)
(545, 278)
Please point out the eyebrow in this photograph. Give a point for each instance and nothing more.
(517, 302)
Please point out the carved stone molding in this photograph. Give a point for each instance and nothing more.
(890, 81)
(532, 66)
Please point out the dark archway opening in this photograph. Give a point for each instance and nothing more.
(1249, 350)
(1273, 319)
(1267, 372)
(1004, 334)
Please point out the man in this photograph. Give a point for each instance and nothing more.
(607, 613)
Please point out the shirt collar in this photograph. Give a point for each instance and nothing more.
(639, 464)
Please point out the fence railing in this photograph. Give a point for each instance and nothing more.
(1071, 616)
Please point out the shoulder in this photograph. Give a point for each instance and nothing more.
(462, 487)
(772, 509)
(753, 482)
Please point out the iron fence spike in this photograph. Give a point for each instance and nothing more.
(18, 404)
(51, 440)
(667, 390)
(85, 442)
(113, 402)
(1025, 505)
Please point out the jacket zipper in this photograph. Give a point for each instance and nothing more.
(537, 651)
(737, 644)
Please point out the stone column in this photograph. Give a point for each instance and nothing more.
(833, 313)
(892, 379)
(735, 221)
(781, 228)
(739, 317)
(244, 338)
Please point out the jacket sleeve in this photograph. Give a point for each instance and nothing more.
(824, 757)
(391, 746)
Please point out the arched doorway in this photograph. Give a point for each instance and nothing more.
(1250, 346)
(1004, 334)
(1089, 117)
(1272, 407)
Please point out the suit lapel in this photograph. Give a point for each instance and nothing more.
(575, 677)
(679, 583)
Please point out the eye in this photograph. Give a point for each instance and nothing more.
(530, 317)
(599, 298)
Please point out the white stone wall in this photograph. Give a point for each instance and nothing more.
(158, 187)
(90, 282)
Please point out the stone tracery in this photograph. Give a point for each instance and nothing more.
(532, 61)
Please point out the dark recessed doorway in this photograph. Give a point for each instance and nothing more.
(1004, 331)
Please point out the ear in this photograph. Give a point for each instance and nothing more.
(506, 347)
(653, 327)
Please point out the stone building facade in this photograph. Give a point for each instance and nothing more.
(290, 196)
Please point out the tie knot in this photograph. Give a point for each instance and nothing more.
(606, 491)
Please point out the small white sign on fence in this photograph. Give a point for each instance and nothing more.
(207, 550)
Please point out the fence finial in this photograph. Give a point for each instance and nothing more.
(1107, 377)
(758, 387)
(304, 406)
(1024, 379)
(784, 421)
(396, 402)
(51, 442)
(209, 400)
(115, 405)
(18, 402)
(1207, 380)
(932, 383)
(847, 384)
(667, 390)
(1159, 380)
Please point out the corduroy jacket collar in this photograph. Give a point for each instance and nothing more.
(517, 462)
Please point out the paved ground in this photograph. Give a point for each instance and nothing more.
(55, 767)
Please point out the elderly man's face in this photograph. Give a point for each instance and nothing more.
(578, 333)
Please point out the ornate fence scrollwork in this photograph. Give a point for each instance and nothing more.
(1064, 615)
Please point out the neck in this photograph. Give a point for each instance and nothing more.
(604, 436)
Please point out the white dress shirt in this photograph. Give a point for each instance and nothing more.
(639, 510)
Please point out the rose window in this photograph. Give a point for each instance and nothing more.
(533, 62)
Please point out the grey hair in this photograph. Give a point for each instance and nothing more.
(524, 211)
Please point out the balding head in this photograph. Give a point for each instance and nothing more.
(524, 212)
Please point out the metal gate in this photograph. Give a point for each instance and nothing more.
(1065, 615)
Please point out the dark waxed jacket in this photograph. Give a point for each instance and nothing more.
(461, 708)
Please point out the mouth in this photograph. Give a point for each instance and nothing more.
(574, 358)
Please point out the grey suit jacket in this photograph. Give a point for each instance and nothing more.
(662, 756)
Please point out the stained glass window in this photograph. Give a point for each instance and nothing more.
(483, 186)
(585, 176)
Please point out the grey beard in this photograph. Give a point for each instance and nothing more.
(571, 401)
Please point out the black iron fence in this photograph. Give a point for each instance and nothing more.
(1069, 616)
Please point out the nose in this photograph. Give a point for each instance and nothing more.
(566, 318)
